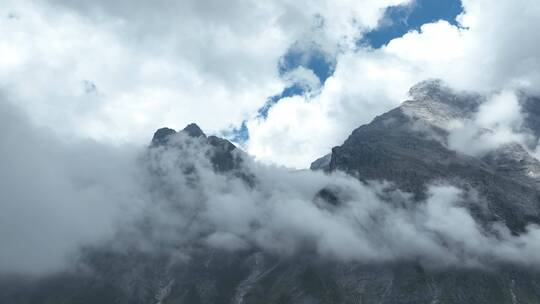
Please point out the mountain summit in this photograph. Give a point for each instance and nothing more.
(193, 130)
(161, 136)
(409, 147)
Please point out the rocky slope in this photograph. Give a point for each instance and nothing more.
(408, 146)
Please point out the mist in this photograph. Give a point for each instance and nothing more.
(59, 195)
(499, 121)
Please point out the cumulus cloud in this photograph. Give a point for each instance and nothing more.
(168, 74)
(161, 63)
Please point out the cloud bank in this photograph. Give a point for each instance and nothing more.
(59, 195)
(115, 71)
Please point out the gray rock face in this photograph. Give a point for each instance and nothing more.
(436, 105)
(405, 146)
(394, 148)
(531, 109)
(161, 136)
(193, 130)
(513, 161)
(322, 163)
(222, 153)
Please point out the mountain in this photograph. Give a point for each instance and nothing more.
(407, 146)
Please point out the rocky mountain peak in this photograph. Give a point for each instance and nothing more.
(321, 163)
(193, 130)
(433, 102)
(161, 136)
(513, 160)
(428, 89)
(224, 156)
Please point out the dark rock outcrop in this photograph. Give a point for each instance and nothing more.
(193, 130)
(161, 136)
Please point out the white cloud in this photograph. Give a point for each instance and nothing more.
(159, 63)
(304, 78)
(297, 121)
(144, 83)
(497, 122)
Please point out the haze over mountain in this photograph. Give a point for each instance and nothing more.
(397, 214)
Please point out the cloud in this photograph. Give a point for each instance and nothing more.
(296, 120)
(499, 121)
(57, 195)
(304, 78)
(160, 63)
(146, 79)
(480, 54)
(283, 212)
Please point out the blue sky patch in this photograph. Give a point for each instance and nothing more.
(399, 20)
(313, 59)
(237, 135)
(287, 92)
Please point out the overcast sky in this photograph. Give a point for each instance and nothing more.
(115, 71)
